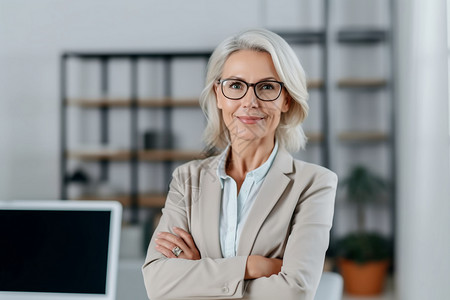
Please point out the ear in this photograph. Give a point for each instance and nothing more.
(217, 92)
(286, 103)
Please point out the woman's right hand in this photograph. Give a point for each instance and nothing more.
(167, 241)
(260, 266)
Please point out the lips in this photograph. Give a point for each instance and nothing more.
(250, 119)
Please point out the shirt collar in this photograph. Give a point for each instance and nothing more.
(258, 174)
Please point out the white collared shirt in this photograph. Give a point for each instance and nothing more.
(235, 208)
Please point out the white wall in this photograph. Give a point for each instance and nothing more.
(423, 206)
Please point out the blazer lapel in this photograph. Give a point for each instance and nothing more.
(210, 200)
(273, 187)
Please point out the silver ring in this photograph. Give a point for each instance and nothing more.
(177, 251)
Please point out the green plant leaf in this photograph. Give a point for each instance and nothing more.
(364, 186)
(364, 247)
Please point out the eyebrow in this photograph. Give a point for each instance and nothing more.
(262, 79)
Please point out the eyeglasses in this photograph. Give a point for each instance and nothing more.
(266, 90)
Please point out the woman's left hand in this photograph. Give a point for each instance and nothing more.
(166, 242)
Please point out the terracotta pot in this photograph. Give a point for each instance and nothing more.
(363, 279)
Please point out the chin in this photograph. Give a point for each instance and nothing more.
(249, 135)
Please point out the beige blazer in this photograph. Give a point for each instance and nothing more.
(290, 219)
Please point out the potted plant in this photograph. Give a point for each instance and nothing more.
(363, 256)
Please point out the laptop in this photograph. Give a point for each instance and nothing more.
(63, 250)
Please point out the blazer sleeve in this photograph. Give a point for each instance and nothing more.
(207, 278)
(305, 250)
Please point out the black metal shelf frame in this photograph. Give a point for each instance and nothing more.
(105, 58)
(316, 37)
(371, 36)
(357, 35)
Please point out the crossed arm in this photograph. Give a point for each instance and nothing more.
(242, 277)
(256, 265)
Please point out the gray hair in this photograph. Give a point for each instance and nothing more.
(289, 133)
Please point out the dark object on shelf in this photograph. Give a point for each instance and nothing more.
(150, 139)
(362, 35)
(77, 184)
(78, 176)
(158, 140)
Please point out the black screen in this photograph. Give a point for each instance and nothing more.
(54, 251)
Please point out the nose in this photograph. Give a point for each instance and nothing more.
(250, 99)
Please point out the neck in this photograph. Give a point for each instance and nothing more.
(246, 156)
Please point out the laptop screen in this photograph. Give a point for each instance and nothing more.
(61, 250)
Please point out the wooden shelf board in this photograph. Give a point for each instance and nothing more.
(144, 200)
(170, 155)
(363, 83)
(123, 199)
(166, 102)
(314, 137)
(149, 155)
(356, 136)
(93, 103)
(152, 200)
(100, 155)
(315, 83)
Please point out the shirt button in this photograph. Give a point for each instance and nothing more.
(225, 289)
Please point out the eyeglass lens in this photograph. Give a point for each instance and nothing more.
(264, 90)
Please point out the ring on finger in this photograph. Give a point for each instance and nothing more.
(177, 251)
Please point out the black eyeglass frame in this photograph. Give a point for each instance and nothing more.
(220, 81)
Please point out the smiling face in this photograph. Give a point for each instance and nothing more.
(249, 118)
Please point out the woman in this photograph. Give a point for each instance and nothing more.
(252, 222)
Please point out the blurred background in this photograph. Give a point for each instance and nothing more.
(98, 100)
